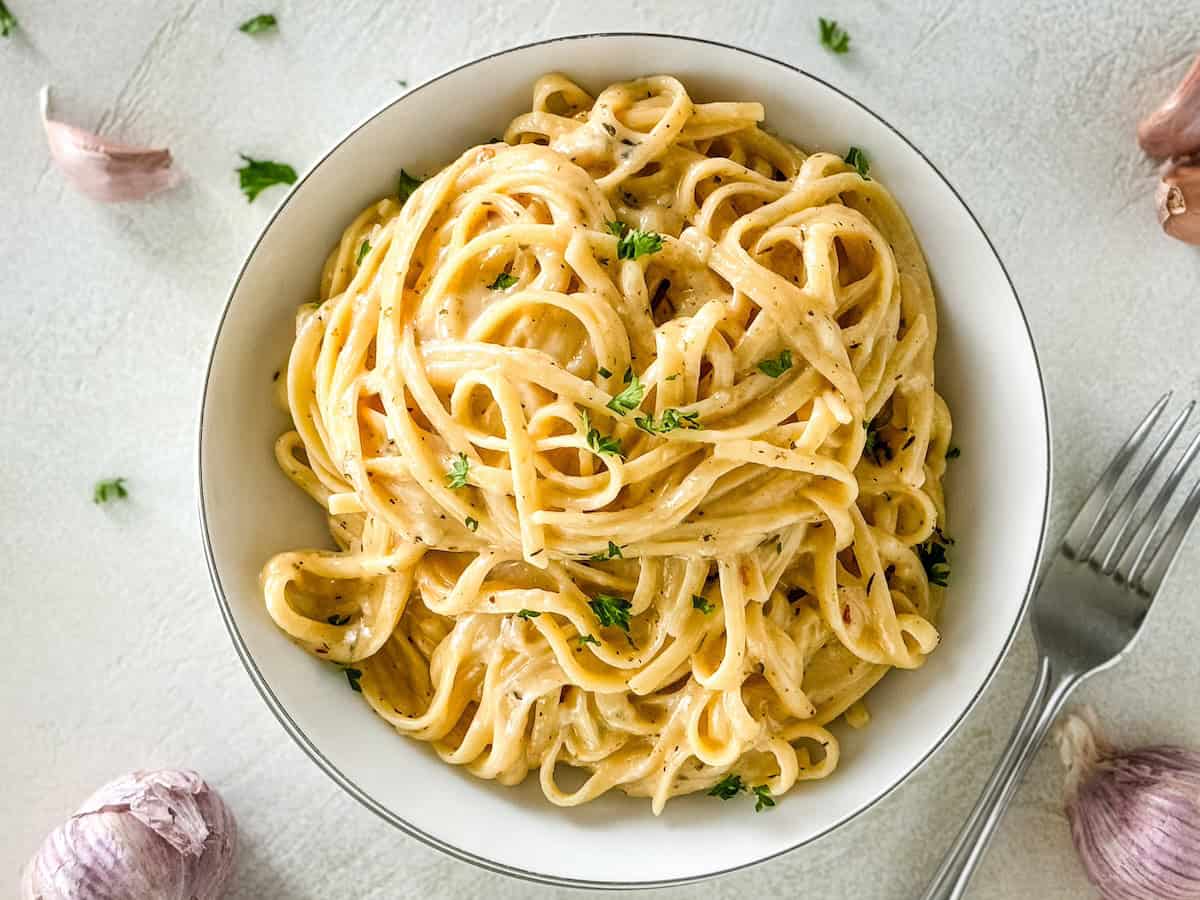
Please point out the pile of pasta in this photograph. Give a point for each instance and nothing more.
(627, 435)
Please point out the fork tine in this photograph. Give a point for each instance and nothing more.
(1141, 547)
(1112, 541)
(1161, 557)
(1092, 514)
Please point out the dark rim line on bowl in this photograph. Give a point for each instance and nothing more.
(358, 793)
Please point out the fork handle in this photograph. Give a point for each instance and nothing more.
(1050, 690)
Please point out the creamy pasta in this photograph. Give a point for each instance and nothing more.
(627, 435)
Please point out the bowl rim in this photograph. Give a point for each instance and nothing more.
(344, 781)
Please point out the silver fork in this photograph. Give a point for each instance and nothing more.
(1087, 610)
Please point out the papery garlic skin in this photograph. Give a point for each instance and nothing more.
(1135, 816)
(1174, 128)
(105, 170)
(1178, 201)
(151, 835)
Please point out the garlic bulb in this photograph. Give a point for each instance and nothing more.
(153, 835)
(1178, 200)
(103, 169)
(1174, 128)
(1135, 815)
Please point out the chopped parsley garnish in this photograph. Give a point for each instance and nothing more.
(338, 620)
(109, 489)
(630, 398)
(728, 787)
(603, 372)
(953, 453)
(363, 249)
(763, 799)
(672, 420)
(611, 610)
(599, 442)
(833, 37)
(876, 446)
(503, 282)
(353, 676)
(701, 604)
(406, 185)
(857, 158)
(457, 476)
(528, 614)
(259, 174)
(613, 552)
(472, 523)
(633, 242)
(8, 22)
(932, 554)
(587, 639)
(776, 366)
(264, 22)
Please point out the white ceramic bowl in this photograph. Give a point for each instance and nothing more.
(997, 491)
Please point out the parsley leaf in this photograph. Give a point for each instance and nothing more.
(613, 552)
(953, 453)
(528, 614)
(457, 476)
(603, 372)
(611, 610)
(630, 398)
(353, 676)
(932, 554)
(776, 366)
(8, 22)
(763, 798)
(338, 620)
(832, 37)
(587, 639)
(264, 22)
(604, 443)
(363, 250)
(471, 522)
(406, 185)
(633, 242)
(110, 489)
(701, 604)
(857, 158)
(876, 445)
(728, 787)
(259, 174)
(503, 282)
(672, 420)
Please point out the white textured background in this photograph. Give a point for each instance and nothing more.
(115, 656)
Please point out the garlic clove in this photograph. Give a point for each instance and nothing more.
(1178, 201)
(105, 170)
(1174, 128)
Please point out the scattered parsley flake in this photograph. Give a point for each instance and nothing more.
(701, 604)
(932, 553)
(338, 620)
(587, 639)
(264, 22)
(634, 242)
(953, 453)
(406, 185)
(528, 614)
(776, 366)
(630, 398)
(259, 174)
(728, 787)
(672, 420)
(109, 489)
(363, 250)
(457, 476)
(763, 799)
(503, 282)
(833, 37)
(472, 523)
(353, 676)
(857, 158)
(613, 552)
(604, 373)
(8, 22)
(611, 610)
